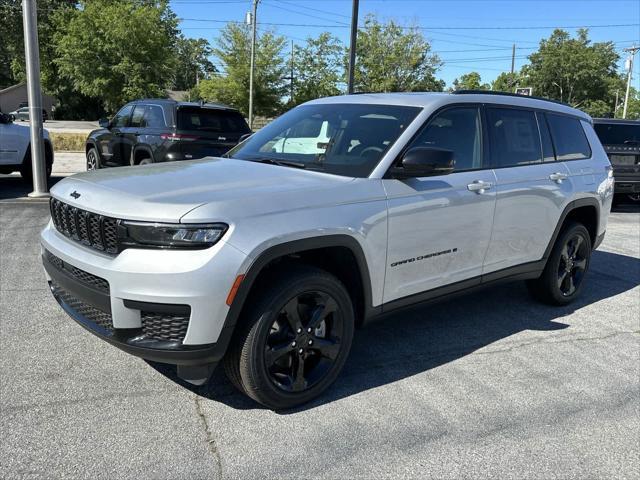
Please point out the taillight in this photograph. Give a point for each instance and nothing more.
(176, 137)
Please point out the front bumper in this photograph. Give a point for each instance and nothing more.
(190, 286)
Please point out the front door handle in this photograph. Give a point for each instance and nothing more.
(479, 186)
(558, 177)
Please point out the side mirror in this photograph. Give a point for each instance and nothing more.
(104, 123)
(244, 137)
(425, 162)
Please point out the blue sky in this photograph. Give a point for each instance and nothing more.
(469, 35)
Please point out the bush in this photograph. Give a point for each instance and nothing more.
(68, 142)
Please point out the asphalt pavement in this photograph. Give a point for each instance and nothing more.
(491, 385)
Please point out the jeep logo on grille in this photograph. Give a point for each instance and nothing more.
(75, 194)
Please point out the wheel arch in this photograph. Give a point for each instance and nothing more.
(583, 210)
(139, 152)
(340, 255)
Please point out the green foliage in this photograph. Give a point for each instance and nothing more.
(233, 48)
(470, 81)
(192, 56)
(318, 68)
(507, 82)
(573, 70)
(118, 50)
(393, 59)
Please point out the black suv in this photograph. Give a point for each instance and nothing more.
(159, 130)
(621, 141)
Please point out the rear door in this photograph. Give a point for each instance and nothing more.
(208, 132)
(532, 188)
(440, 226)
(13, 142)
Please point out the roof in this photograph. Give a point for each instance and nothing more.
(621, 121)
(438, 99)
(13, 87)
(169, 101)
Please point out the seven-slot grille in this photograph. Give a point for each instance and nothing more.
(90, 229)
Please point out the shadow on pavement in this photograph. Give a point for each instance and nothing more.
(13, 186)
(423, 338)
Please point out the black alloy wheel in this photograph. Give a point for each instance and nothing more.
(294, 338)
(304, 341)
(92, 160)
(573, 265)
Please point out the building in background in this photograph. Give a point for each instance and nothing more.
(11, 98)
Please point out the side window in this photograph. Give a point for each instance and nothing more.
(514, 137)
(121, 119)
(457, 129)
(154, 117)
(138, 115)
(547, 146)
(568, 137)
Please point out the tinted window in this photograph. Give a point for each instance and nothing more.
(357, 136)
(211, 120)
(514, 137)
(545, 137)
(121, 118)
(138, 114)
(617, 134)
(569, 138)
(459, 130)
(154, 117)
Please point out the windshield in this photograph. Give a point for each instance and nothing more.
(617, 134)
(343, 139)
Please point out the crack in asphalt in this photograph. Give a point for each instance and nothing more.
(211, 442)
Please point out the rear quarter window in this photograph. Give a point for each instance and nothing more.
(211, 120)
(568, 136)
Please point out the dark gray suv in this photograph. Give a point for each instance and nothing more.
(160, 130)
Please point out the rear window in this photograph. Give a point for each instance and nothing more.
(514, 137)
(211, 120)
(569, 138)
(617, 134)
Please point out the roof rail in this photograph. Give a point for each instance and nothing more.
(507, 94)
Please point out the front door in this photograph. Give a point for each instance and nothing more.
(110, 141)
(440, 226)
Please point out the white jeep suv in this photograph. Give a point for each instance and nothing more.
(267, 259)
(15, 148)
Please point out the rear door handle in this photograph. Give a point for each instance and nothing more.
(479, 186)
(558, 177)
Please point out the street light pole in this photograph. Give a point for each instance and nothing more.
(632, 53)
(352, 45)
(253, 59)
(32, 59)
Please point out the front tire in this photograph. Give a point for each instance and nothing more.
(93, 160)
(293, 340)
(563, 277)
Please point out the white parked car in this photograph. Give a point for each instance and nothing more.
(15, 148)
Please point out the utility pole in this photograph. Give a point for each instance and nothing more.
(293, 50)
(632, 53)
(254, 21)
(32, 59)
(352, 45)
(513, 59)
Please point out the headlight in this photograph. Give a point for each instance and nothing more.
(162, 235)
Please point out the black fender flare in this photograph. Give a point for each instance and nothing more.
(289, 248)
(581, 202)
(139, 148)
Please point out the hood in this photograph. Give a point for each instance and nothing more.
(165, 192)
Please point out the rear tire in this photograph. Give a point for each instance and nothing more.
(563, 276)
(145, 161)
(26, 169)
(294, 338)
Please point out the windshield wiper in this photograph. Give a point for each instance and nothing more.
(281, 163)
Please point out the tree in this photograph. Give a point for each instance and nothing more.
(390, 58)
(470, 81)
(507, 82)
(233, 48)
(193, 62)
(118, 50)
(318, 68)
(573, 70)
